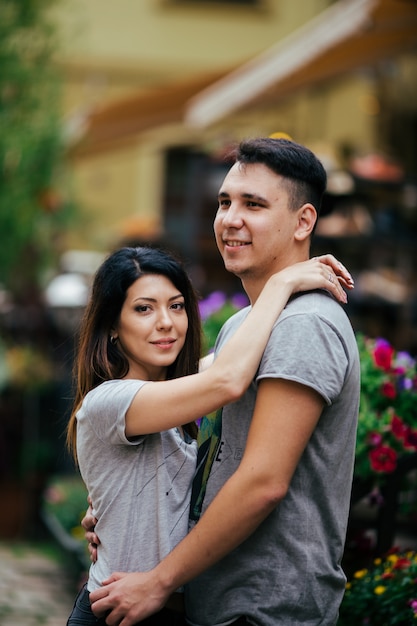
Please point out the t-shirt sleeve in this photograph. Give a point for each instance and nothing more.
(307, 349)
(105, 409)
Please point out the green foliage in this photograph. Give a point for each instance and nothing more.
(213, 324)
(31, 150)
(66, 499)
(387, 427)
(383, 596)
(215, 310)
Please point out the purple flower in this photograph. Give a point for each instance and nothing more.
(211, 304)
(404, 360)
(404, 384)
(239, 300)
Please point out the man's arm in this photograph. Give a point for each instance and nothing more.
(285, 416)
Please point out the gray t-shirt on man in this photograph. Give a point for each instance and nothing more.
(288, 571)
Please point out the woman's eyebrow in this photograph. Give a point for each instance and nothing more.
(147, 299)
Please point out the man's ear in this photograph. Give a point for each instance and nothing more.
(307, 217)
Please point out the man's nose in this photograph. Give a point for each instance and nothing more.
(233, 217)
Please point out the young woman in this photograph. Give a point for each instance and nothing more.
(138, 392)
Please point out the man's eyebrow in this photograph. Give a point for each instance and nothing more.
(247, 196)
(255, 196)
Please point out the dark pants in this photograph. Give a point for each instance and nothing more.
(82, 615)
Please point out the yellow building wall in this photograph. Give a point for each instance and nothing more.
(121, 195)
(111, 49)
(167, 36)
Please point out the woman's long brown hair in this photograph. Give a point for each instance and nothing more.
(97, 359)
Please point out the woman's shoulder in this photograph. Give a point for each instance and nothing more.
(110, 390)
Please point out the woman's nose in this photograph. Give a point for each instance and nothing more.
(164, 319)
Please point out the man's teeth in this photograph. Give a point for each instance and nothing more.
(236, 244)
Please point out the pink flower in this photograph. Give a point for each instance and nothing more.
(54, 495)
(383, 459)
(388, 390)
(413, 604)
(398, 428)
(383, 354)
(374, 438)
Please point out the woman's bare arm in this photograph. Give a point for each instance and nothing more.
(162, 405)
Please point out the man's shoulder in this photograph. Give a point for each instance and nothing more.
(305, 299)
(315, 303)
(311, 313)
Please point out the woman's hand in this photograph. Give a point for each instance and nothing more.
(89, 523)
(323, 272)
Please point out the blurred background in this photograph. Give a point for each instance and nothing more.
(115, 118)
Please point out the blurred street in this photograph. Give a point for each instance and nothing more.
(34, 588)
(37, 590)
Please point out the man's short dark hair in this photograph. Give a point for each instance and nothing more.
(291, 160)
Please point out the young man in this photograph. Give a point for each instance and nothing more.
(272, 490)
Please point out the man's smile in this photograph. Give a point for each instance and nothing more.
(236, 244)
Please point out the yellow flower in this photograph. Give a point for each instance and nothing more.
(380, 590)
(348, 585)
(280, 135)
(361, 573)
(377, 561)
(393, 558)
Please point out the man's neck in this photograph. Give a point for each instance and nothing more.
(253, 285)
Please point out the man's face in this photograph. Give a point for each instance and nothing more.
(254, 227)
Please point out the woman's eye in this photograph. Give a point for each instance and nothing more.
(178, 306)
(142, 308)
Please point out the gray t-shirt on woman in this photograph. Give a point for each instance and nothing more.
(140, 488)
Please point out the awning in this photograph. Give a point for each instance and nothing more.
(348, 35)
(123, 120)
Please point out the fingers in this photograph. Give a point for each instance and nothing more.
(113, 577)
(92, 549)
(93, 542)
(333, 285)
(88, 522)
(343, 275)
(91, 537)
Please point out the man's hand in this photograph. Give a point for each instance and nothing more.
(125, 599)
(88, 523)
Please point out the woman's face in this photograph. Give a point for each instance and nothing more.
(152, 326)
